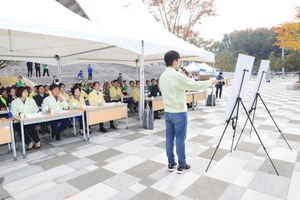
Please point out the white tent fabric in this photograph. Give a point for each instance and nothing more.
(35, 30)
(209, 69)
(195, 67)
(136, 22)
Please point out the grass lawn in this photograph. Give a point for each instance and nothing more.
(9, 81)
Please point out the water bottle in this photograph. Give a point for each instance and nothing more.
(74, 106)
(9, 107)
(99, 103)
(122, 101)
(46, 110)
(9, 111)
(157, 94)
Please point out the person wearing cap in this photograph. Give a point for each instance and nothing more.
(219, 85)
(20, 82)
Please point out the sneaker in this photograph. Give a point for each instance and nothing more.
(171, 167)
(186, 168)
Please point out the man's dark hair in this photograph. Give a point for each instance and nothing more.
(60, 85)
(170, 56)
(20, 77)
(94, 83)
(20, 90)
(38, 87)
(75, 88)
(137, 82)
(120, 73)
(124, 81)
(131, 82)
(115, 81)
(153, 79)
(53, 86)
(147, 81)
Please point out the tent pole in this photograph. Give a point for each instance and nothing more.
(59, 69)
(136, 69)
(142, 85)
(10, 41)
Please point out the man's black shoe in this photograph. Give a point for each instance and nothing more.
(102, 129)
(156, 117)
(113, 126)
(57, 137)
(181, 169)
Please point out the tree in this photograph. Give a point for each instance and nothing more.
(181, 17)
(5, 63)
(289, 34)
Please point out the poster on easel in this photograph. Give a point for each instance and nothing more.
(239, 86)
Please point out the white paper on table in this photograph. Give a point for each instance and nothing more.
(112, 103)
(3, 112)
(89, 107)
(33, 115)
(61, 111)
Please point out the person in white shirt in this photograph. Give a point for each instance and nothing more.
(56, 102)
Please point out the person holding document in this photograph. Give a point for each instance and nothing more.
(173, 86)
(56, 102)
(20, 107)
(75, 102)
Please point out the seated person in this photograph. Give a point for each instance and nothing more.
(156, 89)
(83, 94)
(77, 101)
(136, 98)
(62, 89)
(96, 97)
(34, 91)
(40, 96)
(80, 75)
(56, 102)
(20, 82)
(55, 80)
(130, 88)
(115, 92)
(24, 105)
(125, 87)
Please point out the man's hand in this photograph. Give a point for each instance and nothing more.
(214, 81)
(59, 98)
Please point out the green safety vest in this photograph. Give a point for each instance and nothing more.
(4, 101)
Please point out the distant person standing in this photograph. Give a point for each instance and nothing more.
(37, 69)
(120, 79)
(219, 85)
(46, 70)
(55, 80)
(20, 82)
(29, 68)
(90, 72)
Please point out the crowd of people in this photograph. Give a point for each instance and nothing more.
(21, 99)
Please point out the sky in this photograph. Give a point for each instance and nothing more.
(243, 14)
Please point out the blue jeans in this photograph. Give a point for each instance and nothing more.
(176, 125)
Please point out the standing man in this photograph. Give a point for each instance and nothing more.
(29, 68)
(90, 72)
(20, 82)
(219, 85)
(120, 79)
(46, 70)
(173, 86)
(37, 69)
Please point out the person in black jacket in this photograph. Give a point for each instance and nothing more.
(37, 69)
(154, 93)
(40, 96)
(29, 69)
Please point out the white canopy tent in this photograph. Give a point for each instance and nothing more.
(195, 67)
(209, 69)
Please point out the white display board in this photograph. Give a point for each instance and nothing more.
(260, 80)
(239, 86)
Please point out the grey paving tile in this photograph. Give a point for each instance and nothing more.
(270, 184)
(200, 139)
(75, 144)
(161, 133)
(290, 137)
(92, 178)
(124, 195)
(248, 147)
(71, 176)
(22, 173)
(133, 136)
(3, 193)
(161, 145)
(148, 181)
(218, 156)
(145, 169)
(207, 126)
(284, 168)
(115, 143)
(121, 181)
(103, 155)
(206, 188)
(81, 163)
(150, 193)
(267, 127)
(53, 150)
(57, 161)
(233, 192)
(150, 152)
(253, 165)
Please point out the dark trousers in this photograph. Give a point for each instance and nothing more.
(219, 87)
(58, 129)
(46, 71)
(29, 130)
(29, 72)
(90, 76)
(38, 72)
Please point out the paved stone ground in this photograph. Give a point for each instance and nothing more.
(131, 164)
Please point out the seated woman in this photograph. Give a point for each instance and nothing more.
(96, 97)
(77, 101)
(25, 105)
